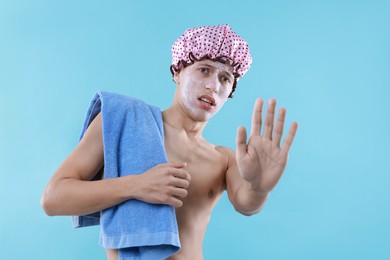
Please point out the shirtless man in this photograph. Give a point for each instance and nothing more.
(197, 172)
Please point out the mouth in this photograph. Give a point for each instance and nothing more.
(208, 100)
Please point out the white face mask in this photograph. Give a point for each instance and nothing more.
(205, 87)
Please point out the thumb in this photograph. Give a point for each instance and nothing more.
(241, 141)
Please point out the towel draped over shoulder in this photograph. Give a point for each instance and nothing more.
(133, 140)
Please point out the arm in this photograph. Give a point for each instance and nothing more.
(258, 164)
(70, 191)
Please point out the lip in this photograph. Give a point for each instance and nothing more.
(210, 99)
(205, 105)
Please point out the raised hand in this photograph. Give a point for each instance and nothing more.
(262, 160)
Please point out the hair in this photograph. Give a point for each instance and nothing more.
(223, 59)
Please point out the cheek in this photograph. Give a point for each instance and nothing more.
(191, 87)
(186, 90)
(225, 94)
(188, 93)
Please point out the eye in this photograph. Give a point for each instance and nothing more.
(225, 79)
(204, 70)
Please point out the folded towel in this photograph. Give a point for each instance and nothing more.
(133, 139)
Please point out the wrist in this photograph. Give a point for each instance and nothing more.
(130, 187)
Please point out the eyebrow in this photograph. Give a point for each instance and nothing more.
(210, 66)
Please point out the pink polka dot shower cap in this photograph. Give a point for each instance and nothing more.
(212, 42)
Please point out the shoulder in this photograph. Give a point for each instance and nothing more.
(229, 154)
(117, 98)
(122, 102)
(224, 150)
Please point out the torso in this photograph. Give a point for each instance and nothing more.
(207, 165)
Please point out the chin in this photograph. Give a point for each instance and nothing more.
(200, 116)
(197, 114)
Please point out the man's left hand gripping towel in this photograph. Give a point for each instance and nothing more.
(133, 139)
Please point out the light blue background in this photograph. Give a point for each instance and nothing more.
(327, 62)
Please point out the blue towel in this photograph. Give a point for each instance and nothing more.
(133, 139)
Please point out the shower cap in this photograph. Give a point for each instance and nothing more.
(212, 42)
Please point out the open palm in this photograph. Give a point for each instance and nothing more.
(262, 160)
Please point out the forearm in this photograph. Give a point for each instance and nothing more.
(248, 200)
(78, 197)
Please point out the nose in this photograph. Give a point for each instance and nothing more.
(213, 84)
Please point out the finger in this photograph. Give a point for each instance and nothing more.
(289, 138)
(179, 192)
(256, 117)
(180, 183)
(180, 173)
(269, 119)
(174, 202)
(279, 127)
(241, 141)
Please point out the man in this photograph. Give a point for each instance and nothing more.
(207, 62)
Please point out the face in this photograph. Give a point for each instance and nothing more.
(203, 88)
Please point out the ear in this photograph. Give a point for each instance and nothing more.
(176, 77)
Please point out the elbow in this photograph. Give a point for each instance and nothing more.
(247, 204)
(247, 209)
(247, 213)
(47, 203)
(250, 206)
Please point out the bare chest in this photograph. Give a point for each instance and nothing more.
(205, 164)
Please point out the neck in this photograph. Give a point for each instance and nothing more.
(175, 118)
